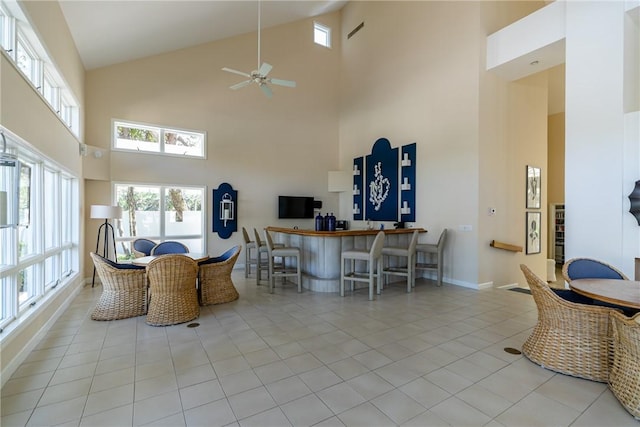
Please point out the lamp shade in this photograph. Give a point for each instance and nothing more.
(105, 211)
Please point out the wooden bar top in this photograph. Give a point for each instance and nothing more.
(342, 233)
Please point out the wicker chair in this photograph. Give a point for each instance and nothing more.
(587, 268)
(142, 247)
(624, 378)
(124, 290)
(172, 285)
(570, 338)
(214, 278)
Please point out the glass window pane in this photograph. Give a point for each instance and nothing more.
(183, 211)
(26, 285)
(51, 272)
(27, 232)
(185, 143)
(137, 138)
(24, 61)
(7, 247)
(321, 35)
(51, 200)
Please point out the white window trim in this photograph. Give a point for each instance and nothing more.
(161, 129)
(326, 30)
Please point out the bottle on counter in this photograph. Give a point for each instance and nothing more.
(326, 222)
(331, 223)
(319, 222)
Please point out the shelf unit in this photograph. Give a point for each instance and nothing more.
(556, 232)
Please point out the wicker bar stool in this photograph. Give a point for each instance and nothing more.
(624, 378)
(570, 338)
(172, 288)
(124, 290)
(214, 278)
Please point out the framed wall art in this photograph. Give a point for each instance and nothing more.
(533, 187)
(533, 232)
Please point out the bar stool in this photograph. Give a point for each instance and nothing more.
(249, 245)
(281, 269)
(430, 250)
(261, 249)
(408, 271)
(373, 258)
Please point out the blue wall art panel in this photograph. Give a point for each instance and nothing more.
(225, 210)
(408, 183)
(358, 175)
(381, 183)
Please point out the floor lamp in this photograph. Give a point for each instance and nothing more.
(105, 212)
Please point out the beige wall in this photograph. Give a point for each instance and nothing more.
(415, 73)
(25, 113)
(555, 181)
(262, 147)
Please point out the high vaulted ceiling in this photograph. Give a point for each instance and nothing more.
(108, 32)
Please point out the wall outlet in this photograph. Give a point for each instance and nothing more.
(465, 227)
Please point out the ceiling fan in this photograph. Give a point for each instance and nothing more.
(259, 76)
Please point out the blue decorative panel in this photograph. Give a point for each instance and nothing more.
(408, 183)
(225, 210)
(381, 183)
(358, 176)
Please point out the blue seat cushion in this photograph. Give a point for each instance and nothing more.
(225, 256)
(569, 295)
(590, 269)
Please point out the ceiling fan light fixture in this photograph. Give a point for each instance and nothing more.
(259, 76)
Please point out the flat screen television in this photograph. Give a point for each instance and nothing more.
(295, 207)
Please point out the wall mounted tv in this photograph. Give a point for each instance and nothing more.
(295, 207)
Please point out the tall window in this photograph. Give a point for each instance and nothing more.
(155, 139)
(160, 213)
(41, 252)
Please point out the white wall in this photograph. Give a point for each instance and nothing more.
(595, 134)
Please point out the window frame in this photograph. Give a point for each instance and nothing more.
(162, 225)
(318, 27)
(162, 130)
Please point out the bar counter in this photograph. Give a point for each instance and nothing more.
(321, 251)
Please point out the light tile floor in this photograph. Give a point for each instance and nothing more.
(434, 357)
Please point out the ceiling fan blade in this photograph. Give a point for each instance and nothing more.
(264, 69)
(279, 82)
(267, 90)
(241, 84)
(231, 70)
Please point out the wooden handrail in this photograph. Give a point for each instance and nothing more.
(505, 246)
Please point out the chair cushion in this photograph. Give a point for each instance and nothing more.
(225, 256)
(123, 266)
(588, 269)
(569, 295)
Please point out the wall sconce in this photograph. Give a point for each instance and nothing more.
(225, 220)
(226, 208)
(339, 181)
(9, 187)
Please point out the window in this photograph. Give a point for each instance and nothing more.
(29, 55)
(41, 252)
(159, 213)
(321, 34)
(155, 139)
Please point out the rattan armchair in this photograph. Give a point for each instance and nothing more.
(214, 278)
(587, 268)
(624, 378)
(172, 288)
(124, 290)
(142, 247)
(570, 338)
